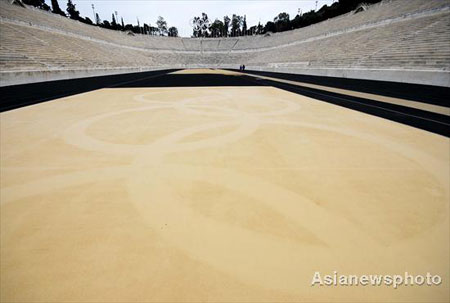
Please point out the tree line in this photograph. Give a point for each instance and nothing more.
(161, 28)
(202, 25)
(237, 25)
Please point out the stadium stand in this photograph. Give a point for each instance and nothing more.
(402, 41)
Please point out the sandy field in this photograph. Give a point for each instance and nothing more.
(216, 194)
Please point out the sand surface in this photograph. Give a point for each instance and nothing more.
(216, 194)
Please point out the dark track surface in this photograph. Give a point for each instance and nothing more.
(436, 123)
(28, 94)
(193, 80)
(436, 95)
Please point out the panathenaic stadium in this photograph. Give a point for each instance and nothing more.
(138, 168)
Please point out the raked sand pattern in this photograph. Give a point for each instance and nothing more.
(216, 194)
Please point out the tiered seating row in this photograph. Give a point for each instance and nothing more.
(32, 39)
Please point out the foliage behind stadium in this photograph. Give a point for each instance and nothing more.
(228, 27)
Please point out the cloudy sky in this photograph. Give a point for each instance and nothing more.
(178, 13)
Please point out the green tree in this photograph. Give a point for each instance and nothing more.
(37, 3)
(226, 25)
(282, 22)
(173, 31)
(259, 29)
(252, 30)
(113, 22)
(205, 25)
(236, 22)
(162, 26)
(244, 25)
(201, 26)
(106, 24)
(196, 31)
(269, 27)
(217, 28)
(71, 9)
(146, 29)
(154, 31)
(56, 9)
(87, 21)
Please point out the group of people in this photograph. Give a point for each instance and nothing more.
(242, 67)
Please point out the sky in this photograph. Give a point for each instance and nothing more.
(178, 13)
